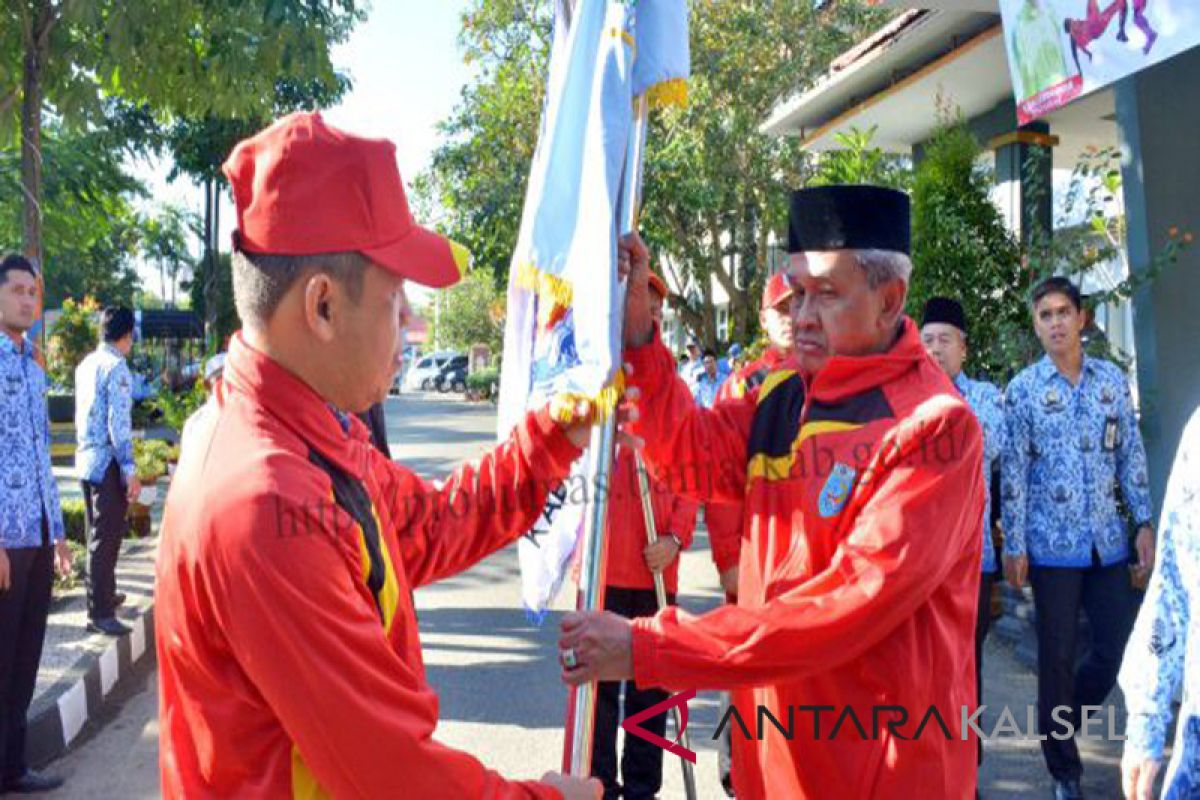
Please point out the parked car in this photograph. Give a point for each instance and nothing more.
(425, 371)
(411, 355)
(453, 376)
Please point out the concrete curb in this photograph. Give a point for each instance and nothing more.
(60, 714)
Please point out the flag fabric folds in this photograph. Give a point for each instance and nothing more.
(562, 327)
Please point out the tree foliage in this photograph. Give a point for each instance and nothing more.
(74, 335)
(177, 57)
(74, 60)
(716, 188)
(470, 313)
(478, 174)
(91, 229)
(962, 249)
(165, 245)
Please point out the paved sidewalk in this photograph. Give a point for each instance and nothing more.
(79, 671)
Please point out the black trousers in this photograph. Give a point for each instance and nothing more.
(106, 506)
(1107, 597)
(23, 611)
(983, 623)
(641, 763)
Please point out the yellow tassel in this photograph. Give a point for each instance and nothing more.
(603, 405)
(673, 92)
(547, 287)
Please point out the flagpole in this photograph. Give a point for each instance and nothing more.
(582, 702)
(660, 592)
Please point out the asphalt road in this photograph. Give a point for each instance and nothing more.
(497, 677)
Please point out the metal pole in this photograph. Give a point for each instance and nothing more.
(660, 591)
(582, 713)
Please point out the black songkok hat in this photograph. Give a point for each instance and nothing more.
(943, 309)
(849, 218)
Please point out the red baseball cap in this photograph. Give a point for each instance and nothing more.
(302, 187)
(776, 291)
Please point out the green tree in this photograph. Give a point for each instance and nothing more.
(221, 319)
(198, 147)
(962, 249)
(165, 244)
(858, 161)
(716, 188)
(91, 231)
(470, 313)
(478, 173)
(75, 334)
(173, 57)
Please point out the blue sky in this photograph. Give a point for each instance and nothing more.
(407, 72)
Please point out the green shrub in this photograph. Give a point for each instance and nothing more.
(75, 520)
(176, 407)
(483, 382)
(961, 248)
(74, 335)
(150, 457)
(78, 567)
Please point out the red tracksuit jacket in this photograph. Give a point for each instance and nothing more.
(625, 564)
(288, 651)
(859, 572)
(726, 521)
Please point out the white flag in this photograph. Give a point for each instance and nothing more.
(561, 334)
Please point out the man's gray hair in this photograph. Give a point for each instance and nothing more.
(260, 280)
(883, 266)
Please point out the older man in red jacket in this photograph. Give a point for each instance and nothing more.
(289, 657)
(861, 474)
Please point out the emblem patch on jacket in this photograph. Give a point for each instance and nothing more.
(837, 490)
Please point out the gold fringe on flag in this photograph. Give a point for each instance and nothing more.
(668, 93)
(563, 406)
(548, 287)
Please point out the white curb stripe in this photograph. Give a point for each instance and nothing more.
(109, 668)
(137, 639)
(72, 710)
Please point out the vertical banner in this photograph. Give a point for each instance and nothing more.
(1059, 50)
(562, 329)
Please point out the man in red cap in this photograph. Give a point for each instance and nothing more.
(862, 476)
(290, 663)
(725, 521)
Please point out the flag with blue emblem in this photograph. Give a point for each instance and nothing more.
(604, 54)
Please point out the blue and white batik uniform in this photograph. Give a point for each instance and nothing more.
(103, 415)
(1068, 448)
(28, 492)
(1163, 654)
(988, 404)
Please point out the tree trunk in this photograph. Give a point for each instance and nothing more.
(209, 267)
(31, 148)
(212, 280)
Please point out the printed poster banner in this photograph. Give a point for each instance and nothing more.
(1060, 50)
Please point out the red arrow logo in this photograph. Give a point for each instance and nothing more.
(633, 724)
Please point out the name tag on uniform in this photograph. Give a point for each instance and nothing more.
(1110, 434)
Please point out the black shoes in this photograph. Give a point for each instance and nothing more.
(32, 783)
(118, 599)
(110, 626)
(1067, 790)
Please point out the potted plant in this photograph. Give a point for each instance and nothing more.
(150, 461)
